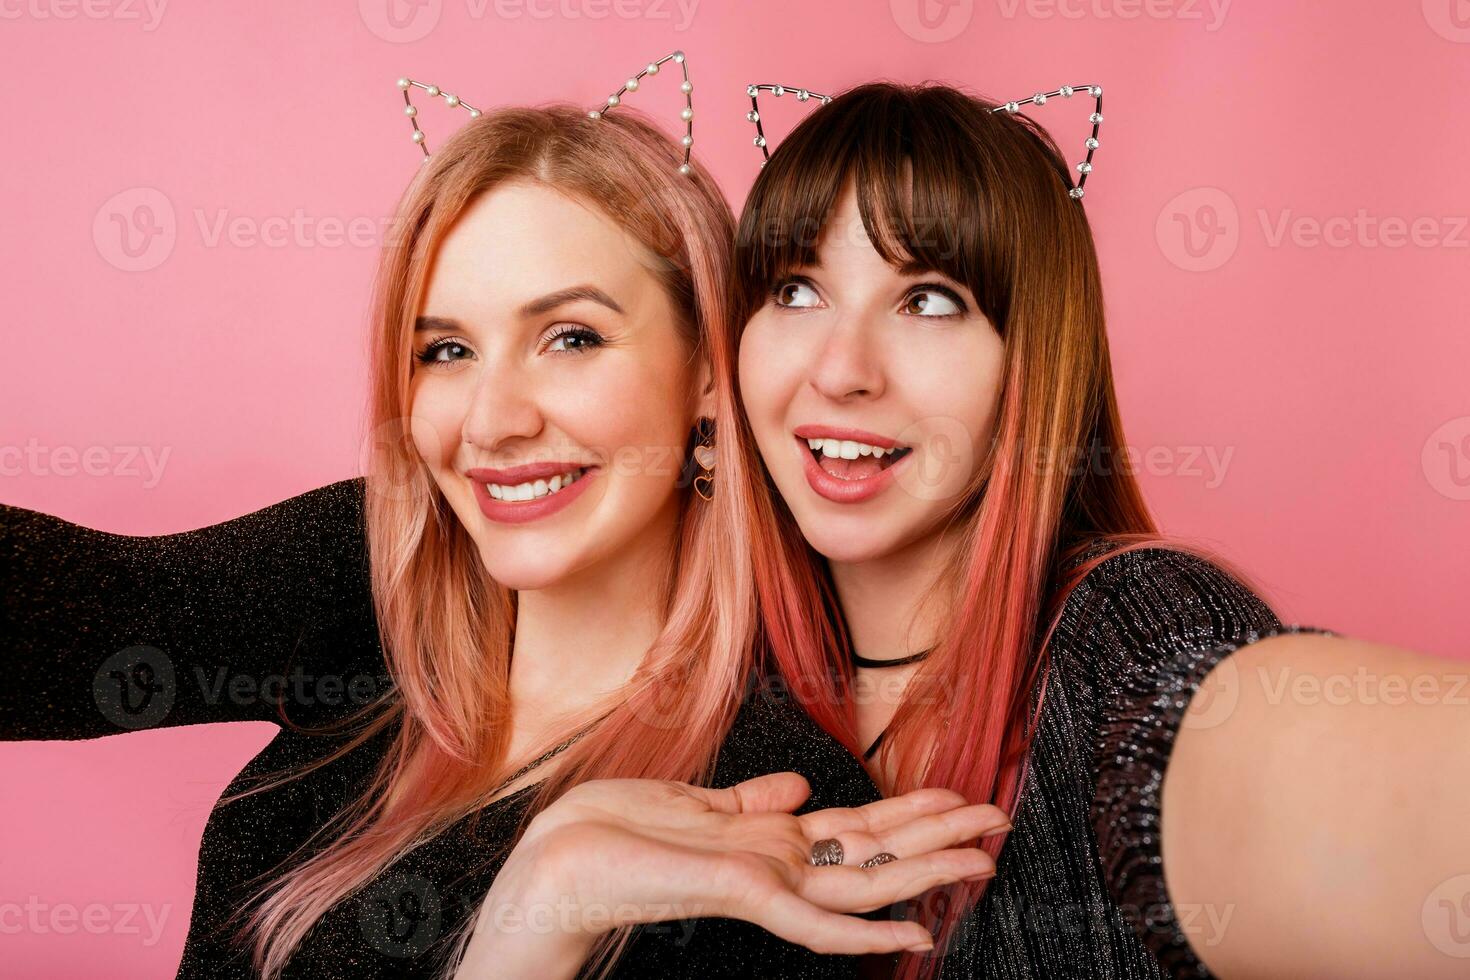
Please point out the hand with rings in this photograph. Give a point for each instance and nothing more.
(617, 852)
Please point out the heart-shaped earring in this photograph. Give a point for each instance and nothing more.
(704, 455)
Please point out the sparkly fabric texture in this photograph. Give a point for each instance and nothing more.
(106, 634)
(1079, 889)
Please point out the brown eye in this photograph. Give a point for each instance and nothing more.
(795, 293)
(931, 302)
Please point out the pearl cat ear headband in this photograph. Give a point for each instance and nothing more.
(406, 85)
(1040, 98)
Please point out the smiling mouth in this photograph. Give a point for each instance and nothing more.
(535, 489)
(846, 459)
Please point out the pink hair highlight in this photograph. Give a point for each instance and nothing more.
(983, 198)
(446, 626)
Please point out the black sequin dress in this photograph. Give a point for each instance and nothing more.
(105, 634)
(1079, 887)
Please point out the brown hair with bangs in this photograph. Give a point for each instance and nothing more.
(946, 184)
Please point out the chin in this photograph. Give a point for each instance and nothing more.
(847, 542)
(524, 573)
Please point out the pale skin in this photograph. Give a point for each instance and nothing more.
(1284, 790)
(541, 314)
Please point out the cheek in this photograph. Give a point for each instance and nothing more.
(765, 376)
(951, 389)
(437, 415)
(638, 418)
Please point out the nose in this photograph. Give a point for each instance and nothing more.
(502, 409)
(848, 363)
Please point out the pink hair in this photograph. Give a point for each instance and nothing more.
(446, 625)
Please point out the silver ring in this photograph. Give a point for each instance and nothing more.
(827, 851)
(882, 857)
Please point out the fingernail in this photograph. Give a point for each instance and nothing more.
(922, 948)
(996, 830)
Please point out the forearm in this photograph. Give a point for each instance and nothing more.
(1318, 826)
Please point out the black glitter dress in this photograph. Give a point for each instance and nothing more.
(1079, 887)
(107, 634)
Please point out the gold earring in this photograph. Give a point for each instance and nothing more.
(704, 455)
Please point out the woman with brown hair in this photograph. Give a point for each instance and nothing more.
(924, 366)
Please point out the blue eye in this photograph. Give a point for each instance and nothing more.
(796, 294)
(442, 351)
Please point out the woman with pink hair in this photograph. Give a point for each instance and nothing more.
(522, 650)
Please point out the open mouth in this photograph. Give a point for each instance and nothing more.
(846, 459)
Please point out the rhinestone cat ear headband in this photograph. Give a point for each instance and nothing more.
(1040, 98)
(407, 85)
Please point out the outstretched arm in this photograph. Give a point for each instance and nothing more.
(105, 633)
(1316, 804)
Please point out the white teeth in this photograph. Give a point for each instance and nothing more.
(847, 449)
(533, 489)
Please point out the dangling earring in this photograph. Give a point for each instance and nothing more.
(704, 455)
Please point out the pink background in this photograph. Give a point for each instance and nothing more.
(1325, 371)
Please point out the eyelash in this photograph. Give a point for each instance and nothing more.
(575, 330)
(428, 354)
(923, 287)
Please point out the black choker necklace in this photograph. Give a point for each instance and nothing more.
(913, 658)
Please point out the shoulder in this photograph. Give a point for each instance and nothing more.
(1144, 606)
(773, 733)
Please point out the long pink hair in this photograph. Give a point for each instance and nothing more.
(982, 198)
(446, 626)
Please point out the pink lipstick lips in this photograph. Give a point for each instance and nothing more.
(519, 494)
(847, 465)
